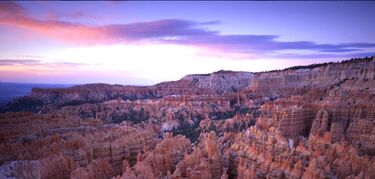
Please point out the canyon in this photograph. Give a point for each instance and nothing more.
(314, 121)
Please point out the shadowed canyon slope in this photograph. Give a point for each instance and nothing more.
(315, 121)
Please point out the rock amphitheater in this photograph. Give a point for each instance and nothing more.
(309, 122)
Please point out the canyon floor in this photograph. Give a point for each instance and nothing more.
(315, 121)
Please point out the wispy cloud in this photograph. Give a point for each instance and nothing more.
(32, 62)
(8, 62)
(171, 31)
(52, 15)
(38, 71)
(338, 56)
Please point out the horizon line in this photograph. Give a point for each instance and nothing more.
(218, 71)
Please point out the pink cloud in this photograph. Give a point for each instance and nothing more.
(170, 31)
(13, 14)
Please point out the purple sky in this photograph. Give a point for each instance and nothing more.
(149, 42)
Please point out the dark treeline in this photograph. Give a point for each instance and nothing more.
(315, 65)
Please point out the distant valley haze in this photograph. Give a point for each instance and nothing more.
(10, 91)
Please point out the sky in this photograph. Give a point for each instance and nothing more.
(143, 43)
